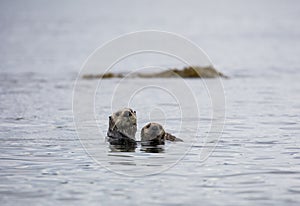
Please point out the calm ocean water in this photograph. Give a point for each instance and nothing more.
(257, 158)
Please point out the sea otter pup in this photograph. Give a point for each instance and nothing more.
(122, 128)
(154, 134)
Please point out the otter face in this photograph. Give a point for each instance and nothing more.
(125, 122)
(153, 133)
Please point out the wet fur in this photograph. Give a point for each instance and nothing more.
(156, 137)
(121, 136)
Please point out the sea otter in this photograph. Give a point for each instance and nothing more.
(154, 134)
(122, 128)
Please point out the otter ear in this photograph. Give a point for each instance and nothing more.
(111, 123)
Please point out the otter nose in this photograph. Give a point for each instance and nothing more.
(155, 128)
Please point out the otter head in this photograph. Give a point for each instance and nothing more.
(153, 134)
(124, 121)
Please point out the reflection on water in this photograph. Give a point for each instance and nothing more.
(153, 149)
(122, 148)
(148, 149)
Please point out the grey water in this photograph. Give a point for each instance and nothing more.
(44, 160)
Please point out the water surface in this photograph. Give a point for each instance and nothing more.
(256, 160)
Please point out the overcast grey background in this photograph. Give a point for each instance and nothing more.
(47, 36)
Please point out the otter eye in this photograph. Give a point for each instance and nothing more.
(148, 125)
(130, 114)
(118, 113)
